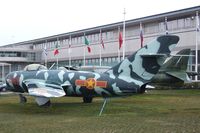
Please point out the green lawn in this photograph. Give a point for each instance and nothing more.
(162, 111)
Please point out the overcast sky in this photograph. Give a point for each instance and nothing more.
(22, 20)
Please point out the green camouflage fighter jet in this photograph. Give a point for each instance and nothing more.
(128, 77)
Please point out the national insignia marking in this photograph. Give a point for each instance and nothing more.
(91, 83)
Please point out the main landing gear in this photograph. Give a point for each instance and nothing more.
(87, 99)
(22, 99)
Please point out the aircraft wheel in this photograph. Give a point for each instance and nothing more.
(87, 99)
(47, 104)
(22, 98)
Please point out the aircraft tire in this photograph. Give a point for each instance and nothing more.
(22, 98)
(87, 99)
(47, 104)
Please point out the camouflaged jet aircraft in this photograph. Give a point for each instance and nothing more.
(128, 77)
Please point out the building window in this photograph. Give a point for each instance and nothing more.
(72, 41)
(78, 40)
(133, 31)
(173, 25)
(97, 61)
(180, 24)
(151, 28)
(161, 27)
(97, 37)
(109, 35)
(189, 22)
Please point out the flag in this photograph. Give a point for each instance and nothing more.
(197, 22)
(141, 35)
(102, 43)
(56, 50)
(45, 50)
(69, 48)
(70, 41)
(70, 44)
(120, 40)
(87, 43)
(166, 26)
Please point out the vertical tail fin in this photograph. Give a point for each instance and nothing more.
(145, 63)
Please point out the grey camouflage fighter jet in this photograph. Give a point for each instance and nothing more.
(128, 77)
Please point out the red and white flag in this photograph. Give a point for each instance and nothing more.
(56, 50)
(120, 40)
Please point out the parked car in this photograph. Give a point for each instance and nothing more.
(2, 87)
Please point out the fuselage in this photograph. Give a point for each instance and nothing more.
(74, 83)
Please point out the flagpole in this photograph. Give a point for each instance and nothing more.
(166, 26)
(124, 44)
(100, 38)
(57, 61)
(196, 49)
(141, 35)
(69, 50)
(84, 57)
(3, 71)
(45, 54)
(100, 56)
(9, 68)
(118, 46)
(84, 52)
(57, 56)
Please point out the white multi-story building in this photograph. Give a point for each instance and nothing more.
(180, 22)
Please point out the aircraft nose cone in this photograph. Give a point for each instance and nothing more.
(8, 80)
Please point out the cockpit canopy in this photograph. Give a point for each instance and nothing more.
(35, 67)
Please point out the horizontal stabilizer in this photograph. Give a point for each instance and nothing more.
(182, 76)
(181, 55)
(153, 55)
(190, 73)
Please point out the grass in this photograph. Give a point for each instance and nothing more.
(156, 111)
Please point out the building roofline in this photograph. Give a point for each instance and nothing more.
(158, 17)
